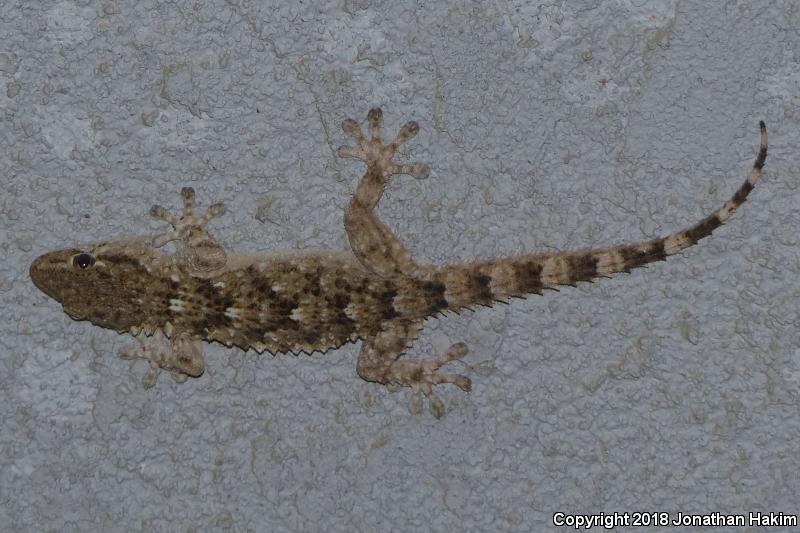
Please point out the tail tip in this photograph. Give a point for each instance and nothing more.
(762, 125)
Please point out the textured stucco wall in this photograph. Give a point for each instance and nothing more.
(546, 125)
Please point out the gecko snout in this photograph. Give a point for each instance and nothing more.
(38, 274)
(46, 275)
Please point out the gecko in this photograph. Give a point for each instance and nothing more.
(308, 300)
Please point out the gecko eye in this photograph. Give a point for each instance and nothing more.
(83, 260)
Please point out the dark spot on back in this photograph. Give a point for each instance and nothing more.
(313, 282)
(261, 283)
(206, 306)
(210, 322)
(342, 325)
(386, 303)
(341, 300)
(311, 336)
(282, 305)
(388, 313)
(279, 323)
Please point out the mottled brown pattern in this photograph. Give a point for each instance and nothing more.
(307, 301)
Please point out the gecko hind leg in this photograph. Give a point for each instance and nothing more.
(181, 356)
(373, 243)
(199, 250)
(379, 362)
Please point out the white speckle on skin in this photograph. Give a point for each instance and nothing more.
(174, 277)
(297, 314)
(232, 312)
(219, 285)
(278, 287)
(176, 305)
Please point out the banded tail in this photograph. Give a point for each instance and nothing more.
(483, 282)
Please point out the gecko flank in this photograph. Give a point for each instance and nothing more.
(307, 301)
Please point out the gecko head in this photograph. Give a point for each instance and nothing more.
(97, 282)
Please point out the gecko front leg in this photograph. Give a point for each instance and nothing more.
(379, 362)
(198, 250)
(181, 356)
(198, 254)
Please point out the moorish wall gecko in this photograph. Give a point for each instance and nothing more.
(317, 300)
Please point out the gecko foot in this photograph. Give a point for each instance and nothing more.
(180, 356)
(421, 376)
(376, 154)
(201, 252)
(186, 224)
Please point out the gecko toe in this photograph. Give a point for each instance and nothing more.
(375, 117)
(351, 152)
(407, 132)
(351, 128)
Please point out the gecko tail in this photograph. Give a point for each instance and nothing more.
(484, 282)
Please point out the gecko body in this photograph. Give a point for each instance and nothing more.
(317, 300)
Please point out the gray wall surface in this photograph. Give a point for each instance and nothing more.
(546, 125)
